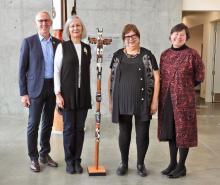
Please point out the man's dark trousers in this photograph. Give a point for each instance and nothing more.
(43, 105)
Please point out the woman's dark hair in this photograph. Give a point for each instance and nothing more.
(128, 28)
(180, 27)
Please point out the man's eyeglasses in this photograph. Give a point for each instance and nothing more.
(128, 37)
(43, 20)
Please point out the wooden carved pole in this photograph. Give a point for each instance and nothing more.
(97, 170)
(59, 18)
(59, 15)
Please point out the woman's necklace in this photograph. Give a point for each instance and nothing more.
(132, 55)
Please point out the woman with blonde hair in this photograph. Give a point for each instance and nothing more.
(72, 89)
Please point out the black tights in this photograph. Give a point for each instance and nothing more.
(142, 137)
(183, 152)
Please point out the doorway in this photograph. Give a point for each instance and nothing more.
(215, 93)
(196, 42)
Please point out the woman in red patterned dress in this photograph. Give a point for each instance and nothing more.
(181, 69)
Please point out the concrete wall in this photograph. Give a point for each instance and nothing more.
(153, 18)
(17, 21)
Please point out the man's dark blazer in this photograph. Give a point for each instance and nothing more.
(32, 65)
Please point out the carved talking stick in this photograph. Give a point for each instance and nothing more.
(97, 170)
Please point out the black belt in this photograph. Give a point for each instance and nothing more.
(48, 79)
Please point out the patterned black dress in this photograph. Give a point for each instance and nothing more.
(132, 78)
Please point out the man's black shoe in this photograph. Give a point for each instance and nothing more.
(35, 166)
(48, 160)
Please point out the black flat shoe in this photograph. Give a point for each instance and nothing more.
(177, 173)
(169, 169)
(141, 170)
(122, 169)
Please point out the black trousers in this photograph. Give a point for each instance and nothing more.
(73, 134)
(142, 137)
(42, 108)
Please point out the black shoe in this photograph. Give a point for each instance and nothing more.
(122, 169)
(141, 170)
(169, 169)
(70, 169)
(48, 160)
(78, 167)
(178, 172)
(35, 166)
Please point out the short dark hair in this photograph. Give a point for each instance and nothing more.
(180, 27)
(128, 28)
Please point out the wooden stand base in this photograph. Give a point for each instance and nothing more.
(57, 122)
(93, 171)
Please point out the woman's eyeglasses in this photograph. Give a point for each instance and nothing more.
(128, 37)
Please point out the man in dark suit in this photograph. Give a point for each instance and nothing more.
(37, 89)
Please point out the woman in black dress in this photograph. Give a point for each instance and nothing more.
(133, 90)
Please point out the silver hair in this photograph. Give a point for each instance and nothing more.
(66, 33)
(44, 12)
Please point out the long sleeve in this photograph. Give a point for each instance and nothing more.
(199, 69)
(57, 68)
(23, 67)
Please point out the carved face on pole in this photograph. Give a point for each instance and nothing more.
(75, 29)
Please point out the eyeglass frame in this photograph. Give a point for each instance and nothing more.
(128, 37)
(43, 20)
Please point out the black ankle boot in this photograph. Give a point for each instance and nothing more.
(70, 169)
(169, 169)
(141, 170)
(78, 167)
(122, 169)
(178, 172)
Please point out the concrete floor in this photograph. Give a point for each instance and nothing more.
(203, 162)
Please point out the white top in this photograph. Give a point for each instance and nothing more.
(79, 54)
(58, 65)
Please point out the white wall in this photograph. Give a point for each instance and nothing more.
(201, 5)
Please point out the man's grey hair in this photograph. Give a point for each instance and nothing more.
(66, 33)
(44, 12)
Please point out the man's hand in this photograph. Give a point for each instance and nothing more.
(25, 101)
